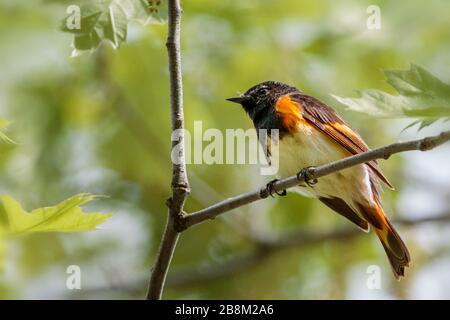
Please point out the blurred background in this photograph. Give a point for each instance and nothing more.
(99, 123)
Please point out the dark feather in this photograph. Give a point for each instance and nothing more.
(343, 209)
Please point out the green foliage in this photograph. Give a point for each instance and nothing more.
(420, 95)
(3, 137)
(67, 216)
(108, 20)
(72, 139)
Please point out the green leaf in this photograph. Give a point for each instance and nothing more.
(422, 123)
(67, 216)
(3, 137)
(416, 81)
(420, 95)
(107, 20)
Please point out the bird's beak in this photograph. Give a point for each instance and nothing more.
(242, 98)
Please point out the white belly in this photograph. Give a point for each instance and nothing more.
(314, 148)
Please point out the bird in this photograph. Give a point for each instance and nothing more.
(310, 134)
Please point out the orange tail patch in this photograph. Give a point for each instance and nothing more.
(393, 245)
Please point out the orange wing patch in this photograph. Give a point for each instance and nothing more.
(289, 112)
(346, 137)
(328, 121)
(354, 137)
(353, 142)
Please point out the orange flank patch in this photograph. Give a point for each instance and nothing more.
(289, 112)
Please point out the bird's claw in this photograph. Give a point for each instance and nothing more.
(270, 191)
(306, 175)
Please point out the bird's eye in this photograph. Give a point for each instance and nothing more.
(263, 91)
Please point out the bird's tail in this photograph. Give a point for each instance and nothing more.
(395, 248)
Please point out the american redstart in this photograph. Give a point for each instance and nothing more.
(312, 134)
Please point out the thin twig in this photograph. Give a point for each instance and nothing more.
(180, 184)
(385, 152)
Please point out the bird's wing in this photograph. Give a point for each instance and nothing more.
(328, 121)
(346, 211)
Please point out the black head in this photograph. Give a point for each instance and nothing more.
(260, 99)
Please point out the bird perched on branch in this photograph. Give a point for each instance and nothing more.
(312, 134)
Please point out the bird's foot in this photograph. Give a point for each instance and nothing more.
(307, 176)
(270, 191)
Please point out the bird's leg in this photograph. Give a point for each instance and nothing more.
(269, 188)
(305, 175)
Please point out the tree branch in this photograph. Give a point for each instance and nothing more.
(267, 245)
(180, 184)
(385, 152)
(263, 248)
